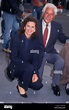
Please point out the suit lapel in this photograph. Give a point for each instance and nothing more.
(51, 33)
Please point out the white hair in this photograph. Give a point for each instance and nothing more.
(51, 6)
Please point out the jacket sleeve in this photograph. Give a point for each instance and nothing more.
(15, 48)
(15, 7)
(62, 37)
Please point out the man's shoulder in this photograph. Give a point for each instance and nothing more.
(39, 21)
(56, 23)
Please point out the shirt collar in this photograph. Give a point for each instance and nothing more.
(43, 23)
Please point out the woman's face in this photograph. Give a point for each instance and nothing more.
(29, 28)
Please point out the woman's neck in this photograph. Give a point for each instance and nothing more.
(27, 35)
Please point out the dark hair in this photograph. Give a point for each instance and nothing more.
(27, 19)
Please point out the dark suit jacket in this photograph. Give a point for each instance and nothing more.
(56, 34)
(20, 54)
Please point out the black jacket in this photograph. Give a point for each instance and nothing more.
(11, 6)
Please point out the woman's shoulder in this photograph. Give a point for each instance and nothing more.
(15, 39)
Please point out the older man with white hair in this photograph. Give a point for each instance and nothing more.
(48, 53)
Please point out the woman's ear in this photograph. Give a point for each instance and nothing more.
(34, 30)
(24, 28)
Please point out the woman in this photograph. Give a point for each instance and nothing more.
(24, 56)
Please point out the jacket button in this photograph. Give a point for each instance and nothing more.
(22, 61)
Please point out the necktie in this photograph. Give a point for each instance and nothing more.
(45, 35)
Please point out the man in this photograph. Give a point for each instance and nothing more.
(10, 10)
(48, 52)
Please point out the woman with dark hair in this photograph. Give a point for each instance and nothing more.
(24, 56)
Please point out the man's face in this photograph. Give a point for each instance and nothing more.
(49, 15)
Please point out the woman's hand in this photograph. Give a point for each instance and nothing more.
(34, 78)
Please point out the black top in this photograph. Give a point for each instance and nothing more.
(11, 6)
